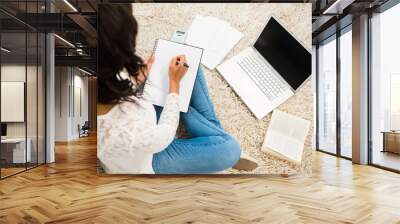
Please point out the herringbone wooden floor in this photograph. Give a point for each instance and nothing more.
(70, 191)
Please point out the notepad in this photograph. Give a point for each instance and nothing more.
(157, 85)
(285, 136)
(215, 36)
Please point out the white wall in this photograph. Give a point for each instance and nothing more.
(80, 105)
(12, 73)
(70, 83)
(62, 81)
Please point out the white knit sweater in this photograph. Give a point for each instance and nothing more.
(128, 135)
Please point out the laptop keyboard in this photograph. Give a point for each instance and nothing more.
(262, 76)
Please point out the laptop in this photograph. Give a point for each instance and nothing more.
(271, 71)
(3, 131)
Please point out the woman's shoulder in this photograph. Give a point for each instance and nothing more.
(136, 108)
(136, 103)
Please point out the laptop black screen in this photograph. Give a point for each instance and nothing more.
(284, 53)
(3, 129)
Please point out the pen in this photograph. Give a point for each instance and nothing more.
(184, 64)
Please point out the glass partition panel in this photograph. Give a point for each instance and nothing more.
(22, 88)
(14, 153)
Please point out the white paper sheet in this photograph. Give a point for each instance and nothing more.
(215, 36)
(286, 135)
(157, 86)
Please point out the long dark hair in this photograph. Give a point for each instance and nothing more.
(117, 31)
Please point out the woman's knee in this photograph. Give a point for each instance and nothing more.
(230, 153)
(200, 71)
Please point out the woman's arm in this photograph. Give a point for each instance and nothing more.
(160, 136)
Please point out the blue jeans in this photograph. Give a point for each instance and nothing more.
(208, 150)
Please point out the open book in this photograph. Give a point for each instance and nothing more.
(286, 136)
(157, 85)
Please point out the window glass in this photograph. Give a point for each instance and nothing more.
(327, 96)
(346, 94)
(385, 88)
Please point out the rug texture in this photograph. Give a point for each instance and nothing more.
(161, 20)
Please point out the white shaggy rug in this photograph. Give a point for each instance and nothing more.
(161, 20)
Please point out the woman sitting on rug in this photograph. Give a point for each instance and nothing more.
(135, 137)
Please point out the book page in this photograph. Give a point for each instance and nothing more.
(215, 36)
(286, 135)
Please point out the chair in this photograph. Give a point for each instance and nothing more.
(84, 130)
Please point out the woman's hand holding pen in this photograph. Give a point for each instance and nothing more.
(177, 69)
